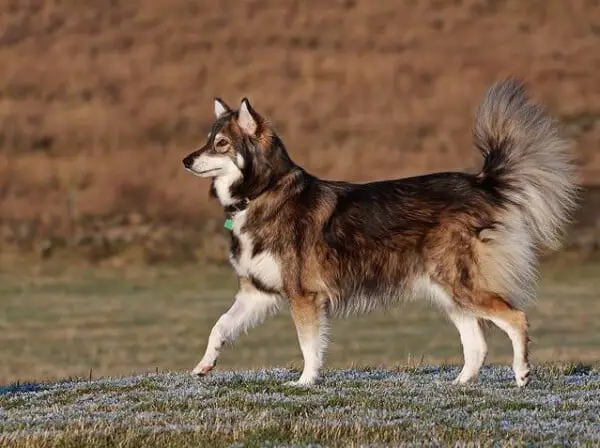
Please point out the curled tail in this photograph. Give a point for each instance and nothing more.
(527, 162)
(529, 169)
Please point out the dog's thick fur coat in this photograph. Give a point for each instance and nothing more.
(467, 242)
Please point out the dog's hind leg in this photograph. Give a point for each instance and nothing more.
(473, 342)
(250, 308)
(513, 322)
(469, 328)
(311, 322)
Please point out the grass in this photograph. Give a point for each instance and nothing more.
(80, 322)
(346, 408)
(127, 338)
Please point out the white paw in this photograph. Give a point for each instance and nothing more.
(463, 378)
(300, 383)
(202, 369)
(523, 378)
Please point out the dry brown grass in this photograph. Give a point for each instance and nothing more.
(100, 100)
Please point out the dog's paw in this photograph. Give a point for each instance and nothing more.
(202, 369)
(462, 380)
(299, 383)
(293, 384)
(523, 378)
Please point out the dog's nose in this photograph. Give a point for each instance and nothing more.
(188, 161)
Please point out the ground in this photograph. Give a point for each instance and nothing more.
(102, 356)
(347, 408)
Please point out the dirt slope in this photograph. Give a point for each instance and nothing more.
(99, 100)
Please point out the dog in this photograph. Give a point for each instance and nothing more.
(468, 242)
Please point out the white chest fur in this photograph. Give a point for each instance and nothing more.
(263, 266)
(222, 186)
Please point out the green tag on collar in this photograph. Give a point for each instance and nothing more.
(228, 224)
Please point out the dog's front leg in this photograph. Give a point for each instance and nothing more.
(311, 324)
(250, 308)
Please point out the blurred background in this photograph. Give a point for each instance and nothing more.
(113, 258)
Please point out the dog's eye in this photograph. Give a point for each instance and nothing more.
(221, 143)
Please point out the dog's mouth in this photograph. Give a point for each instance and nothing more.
(204, 173)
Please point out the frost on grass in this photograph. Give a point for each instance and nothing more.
(414, 405)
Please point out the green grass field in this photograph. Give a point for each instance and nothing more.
(60, 323)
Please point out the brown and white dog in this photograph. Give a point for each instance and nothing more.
(467, 242)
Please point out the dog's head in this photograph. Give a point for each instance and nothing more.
(243, 155)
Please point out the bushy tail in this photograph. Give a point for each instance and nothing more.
(526, 160)
(530, 169)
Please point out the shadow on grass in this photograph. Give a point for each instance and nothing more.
(20, 388)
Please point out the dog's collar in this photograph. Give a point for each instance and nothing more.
(237, 207)
(232, 209)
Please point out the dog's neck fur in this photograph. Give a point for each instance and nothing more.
(258, 176)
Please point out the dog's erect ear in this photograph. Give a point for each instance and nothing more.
(248, 119)
(221, 108)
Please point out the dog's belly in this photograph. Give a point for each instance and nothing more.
(354, 297)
